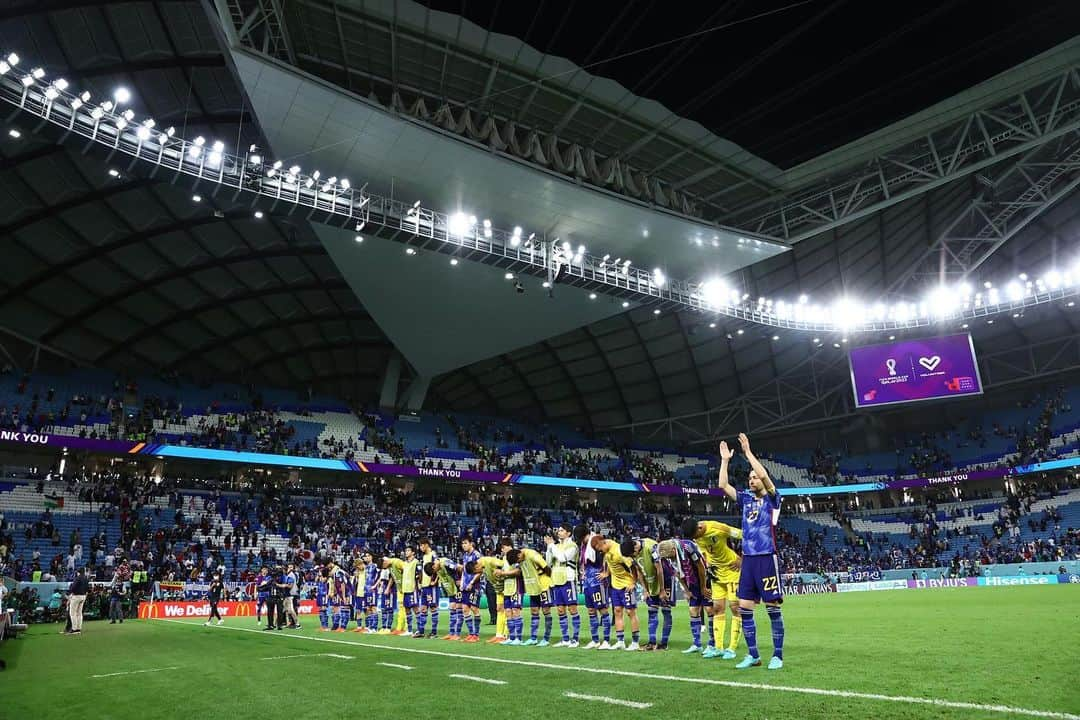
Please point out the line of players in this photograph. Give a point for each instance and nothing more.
(399, 596)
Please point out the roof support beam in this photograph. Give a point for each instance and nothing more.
(1039, 113)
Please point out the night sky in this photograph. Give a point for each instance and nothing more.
(796, 83)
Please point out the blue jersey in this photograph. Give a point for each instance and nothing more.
(466, 578)
(759, 518)
(260, 580)
(371, 578)
(686, 564)
(591, 568)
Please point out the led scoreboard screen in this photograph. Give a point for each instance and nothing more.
(913, 370)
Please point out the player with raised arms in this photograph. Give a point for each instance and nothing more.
(759, 580)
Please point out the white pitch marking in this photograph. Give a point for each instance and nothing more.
(608, 700)
(1007, 709)
(309, 655)
(134, 672)
(395, 665)
(478, 679)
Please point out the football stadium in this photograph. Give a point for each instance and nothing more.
(418, 358)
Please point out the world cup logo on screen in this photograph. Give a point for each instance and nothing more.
(891, 365)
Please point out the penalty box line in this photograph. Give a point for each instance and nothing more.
(852, 694)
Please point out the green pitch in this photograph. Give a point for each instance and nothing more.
(963, 653)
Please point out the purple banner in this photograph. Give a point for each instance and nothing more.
(68, 441)
(953, 478)
(943, 583)
(495, 478)
(912, 370)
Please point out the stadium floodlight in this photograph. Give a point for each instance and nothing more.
(143, 133)
(656, 311)
(38, 73)
(592, 296)
(344, 182)
(453, 261)
(457, 224)
(113, 172)
(121, 123)
(51, 93)
(14, 133)
(13, 59)
(255, 159)
(218, 145)
(509, 276)
(122, 95)
(194, 152)
(5, 67)
(515, 240)
(359, 238)
(97, 113)
(625, 304)
(658, 277)
(197, 198)
(472, 221)
(258, 214)
(410, 251)
(28, 80)
(128, 115)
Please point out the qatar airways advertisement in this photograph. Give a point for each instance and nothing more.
(912, 370)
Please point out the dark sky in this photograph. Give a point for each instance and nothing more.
(797, 83)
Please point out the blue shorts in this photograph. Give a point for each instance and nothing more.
(369, 600)
(429, 596)
(512, 602)
(411, 599)
(389, 602)
(759, 579)
(695, 597)
(321, 600)
(624, 598)
(470, 598)
(564, 595)
(654, 601)
(260, 600)
(596, 597)
(543, 600)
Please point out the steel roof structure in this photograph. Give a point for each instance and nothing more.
(127, 270)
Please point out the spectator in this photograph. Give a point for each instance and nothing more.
(77, 592)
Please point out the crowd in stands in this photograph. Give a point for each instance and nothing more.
(931, 544)
(241, 418)
(177, 534)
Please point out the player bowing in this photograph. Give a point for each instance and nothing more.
(760, 576)
(657, 578)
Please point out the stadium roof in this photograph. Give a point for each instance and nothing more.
(128, 271)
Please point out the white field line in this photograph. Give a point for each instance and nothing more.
(309, 655)
(608, 700)
(395, 665)
(478, 679)
(936, 702)
(135, 672)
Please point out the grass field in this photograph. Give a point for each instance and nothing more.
(958, 653)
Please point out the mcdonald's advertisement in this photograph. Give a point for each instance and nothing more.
(201, 608)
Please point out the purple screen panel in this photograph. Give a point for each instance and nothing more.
(911, 370)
